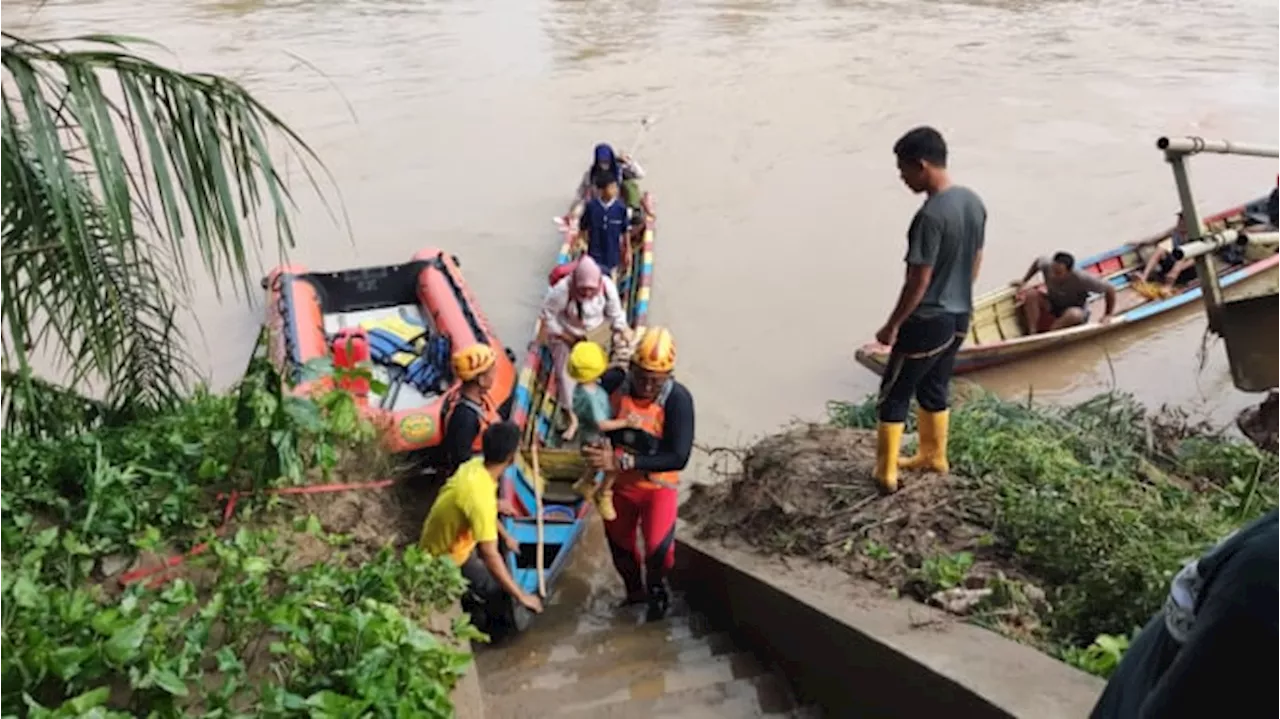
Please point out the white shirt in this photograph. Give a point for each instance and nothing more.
(562, 313)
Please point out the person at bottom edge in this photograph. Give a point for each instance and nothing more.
(1211, 651)
(463, 525)
(644, 494)
(931, 317)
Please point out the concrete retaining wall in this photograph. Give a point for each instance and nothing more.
(850, 650)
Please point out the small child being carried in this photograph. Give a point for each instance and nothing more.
(593, 414)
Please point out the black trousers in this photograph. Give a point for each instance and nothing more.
(920, 365)
(486, 601)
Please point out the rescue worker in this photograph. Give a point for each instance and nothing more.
(644, 492)
(468, 410)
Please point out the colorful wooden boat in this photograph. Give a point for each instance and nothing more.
(998, 330)
(535, 409)
(402, 322)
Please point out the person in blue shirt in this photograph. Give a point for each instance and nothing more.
(605, 220)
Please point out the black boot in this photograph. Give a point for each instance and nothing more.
(659, 603)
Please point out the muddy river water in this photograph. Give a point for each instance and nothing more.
(463, 124)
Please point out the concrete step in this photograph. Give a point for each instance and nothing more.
(609, 654)
(638, 680)
(762, 696)
(623, 631)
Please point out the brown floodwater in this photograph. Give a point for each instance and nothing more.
(464, 124)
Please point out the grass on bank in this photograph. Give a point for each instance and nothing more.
(1102, 501)
(1058, 526)
(248, 629)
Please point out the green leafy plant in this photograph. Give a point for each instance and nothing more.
(945, 571)
(1101, 657)
(250, 632)
(1100, 503)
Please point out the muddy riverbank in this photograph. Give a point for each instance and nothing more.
(1015, 537)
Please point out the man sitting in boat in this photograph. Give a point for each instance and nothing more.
(1171, 272)
(1063, 301)
(468, 411)
(463, 525)
(584, 305)
(644, 493)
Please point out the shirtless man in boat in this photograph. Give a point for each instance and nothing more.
(1064, 299)
(1162, 265)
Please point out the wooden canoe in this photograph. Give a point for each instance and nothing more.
(535, 407)
(998, 331)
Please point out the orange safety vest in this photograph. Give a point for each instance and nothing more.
(485, 410)
(652, 413)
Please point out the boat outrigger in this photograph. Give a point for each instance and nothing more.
(550, 515)
(404, 321)
(998, 331)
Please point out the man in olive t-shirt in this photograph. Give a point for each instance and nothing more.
(931, 318)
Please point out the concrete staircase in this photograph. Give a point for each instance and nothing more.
(585, 658)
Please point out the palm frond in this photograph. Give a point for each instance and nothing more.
(106, 193)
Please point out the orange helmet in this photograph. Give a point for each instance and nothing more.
(473, 361)
(656, 351)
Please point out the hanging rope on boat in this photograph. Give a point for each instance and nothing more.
(284, 305)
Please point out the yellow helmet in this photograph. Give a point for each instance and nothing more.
(587, 362)
(473, 361)
(656, 351)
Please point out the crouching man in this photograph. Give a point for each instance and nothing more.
(463, 524)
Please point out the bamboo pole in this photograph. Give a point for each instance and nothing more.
(537, 501)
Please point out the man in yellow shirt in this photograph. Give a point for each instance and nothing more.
(463, 524)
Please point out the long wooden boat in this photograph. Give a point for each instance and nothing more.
(535, 408)
(399, 324)
(998, 331)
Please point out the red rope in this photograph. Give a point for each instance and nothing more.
(229, 509)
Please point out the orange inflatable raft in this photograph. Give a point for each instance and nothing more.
(403, 322)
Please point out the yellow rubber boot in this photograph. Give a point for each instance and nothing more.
(932, 454)
(888, 441)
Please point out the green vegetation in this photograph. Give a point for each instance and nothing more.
(1099, 503)
(249, 629)
(114, 169)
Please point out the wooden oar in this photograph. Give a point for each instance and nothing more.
(537, 503)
